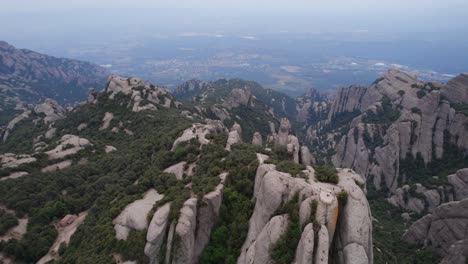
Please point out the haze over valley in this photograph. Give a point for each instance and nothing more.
(248, 132)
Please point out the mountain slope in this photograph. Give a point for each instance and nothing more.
(30, 77)
(145, 178)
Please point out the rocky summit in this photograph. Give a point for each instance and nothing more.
(229, 172)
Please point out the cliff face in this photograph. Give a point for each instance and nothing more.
(328, 227)
(400, 117)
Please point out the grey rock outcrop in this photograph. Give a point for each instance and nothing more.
(11, 125)
(156, 232)
(420, 128)
(208, 213)
(135, 215)
(259, 251)
(108, 116)
(306, 157)
(185, 231)
(51, 110)
(257, 139)
(353, 225)
(456, 90)
(177, 169)
(234, 136)
(10, 160)
(305, 248)
(190, 232)
(459, 181)
(348, 100)
(237, 97)
(457, 253)
(283, 138)
(199, 131)
(142, 96)
(68, 145)
(443, 228)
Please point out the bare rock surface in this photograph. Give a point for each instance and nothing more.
(57, 166)
(156, 232)
(134, 216)
(68, 145)
(459, 181)
(441, 229)
(419, 129)
(353, 225)
(199, 131)
(10, 160)
(456, 90)
(51, 110)
(108, 116)
(257, 139)
(177, 169)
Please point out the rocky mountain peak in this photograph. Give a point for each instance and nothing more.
(456, 90)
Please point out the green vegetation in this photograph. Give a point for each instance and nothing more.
(104, 185)
(342, 197)
(231, 230)
(417, 171)
(386, 113)
(284, 250)
(325, 173)
(387, 232)
(461, 108)
(424, 89)
(284, 161)
(313, 211)
(421, 94)
(341, 119)
(290, 167)
(416, 110)
(7, 221)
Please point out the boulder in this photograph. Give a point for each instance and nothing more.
(135, 215)
(233, 138)
(177, 169)
(257, 139)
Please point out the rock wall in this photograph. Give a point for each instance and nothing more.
(420, 128)
(189, 234)
(345, 232)
(443, 228)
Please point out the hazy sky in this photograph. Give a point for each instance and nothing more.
(418, 6)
